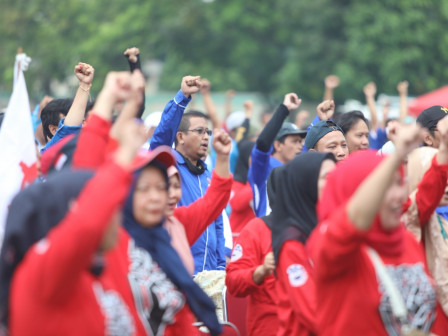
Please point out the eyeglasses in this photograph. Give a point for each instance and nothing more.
(200, 131)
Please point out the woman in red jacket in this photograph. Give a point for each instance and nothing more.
(370, 272)
(298, 184)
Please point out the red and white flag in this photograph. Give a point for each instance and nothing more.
(18, 156)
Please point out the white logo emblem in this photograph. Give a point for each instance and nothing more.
(237, 252)
(297, 275)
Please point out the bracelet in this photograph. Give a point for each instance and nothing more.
(85, 90)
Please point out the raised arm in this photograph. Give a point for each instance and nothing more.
(229, 98)
(366, 201)
(75, 116)
(165, 132)
(133, 56)
(331, 83)
(370, 92)
(118, 87)
(210, 107)
(402, 89)
(243, 130)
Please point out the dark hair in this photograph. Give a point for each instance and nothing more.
(2, 115)
(51, 114)
(347, 120)
(185, 122)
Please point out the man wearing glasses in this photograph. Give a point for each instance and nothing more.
(191, 134)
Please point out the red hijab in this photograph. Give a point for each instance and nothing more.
(342, 183)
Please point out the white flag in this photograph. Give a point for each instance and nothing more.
(17, 147)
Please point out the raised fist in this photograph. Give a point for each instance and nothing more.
(292, 101)
(190, 85)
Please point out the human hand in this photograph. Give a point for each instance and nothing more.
(292, 101)
(118, 86)
(132, 54)
(370, 89)
(221, 142)
(402, 88)
(331, 82)
(190, 85)
(205, 86)
(131, 135)
(137, 87)
(248, 108)
(269, 263)
(407, 139)
(84, 72)
(325, 110)
(230, 93)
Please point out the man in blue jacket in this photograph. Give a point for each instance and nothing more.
(191, 135)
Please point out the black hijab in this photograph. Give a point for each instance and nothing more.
(32, 214)
(294, 211)
(242, 163)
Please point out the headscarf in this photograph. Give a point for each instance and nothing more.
(242, 164)
(294, 211)
(340, 186)
(156, 241)
(32, 214)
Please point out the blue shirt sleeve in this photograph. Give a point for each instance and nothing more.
(220, 244)
(257, 177)
(165, 132)
(61, 132)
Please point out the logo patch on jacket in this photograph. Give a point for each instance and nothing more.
(297, 275)
(237, 252)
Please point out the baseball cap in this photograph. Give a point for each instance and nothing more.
(431, 116)
(153, 119)
(235, 120)
(162, 154)
(289, 129)
(318, 131)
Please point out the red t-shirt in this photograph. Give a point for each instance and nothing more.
(251, 246)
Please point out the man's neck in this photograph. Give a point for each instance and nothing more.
(194, 162)
(276, 156)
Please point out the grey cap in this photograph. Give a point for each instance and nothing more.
(289, 129)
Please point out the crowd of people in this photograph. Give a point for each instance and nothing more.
(336, 227)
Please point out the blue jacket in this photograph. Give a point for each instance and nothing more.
(208, 250)
(259, 170)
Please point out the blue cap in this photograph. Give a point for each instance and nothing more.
(318, 131)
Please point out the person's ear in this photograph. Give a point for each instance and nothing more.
(53, 129)
(428, 139)
(312, 150)
(180, 138)
(277, 145)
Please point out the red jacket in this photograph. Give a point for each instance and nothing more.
(95, 138)
(251, 246)
(198, 215)
(240, 202)
(296, 291)
(53, 291)
(349, 296)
